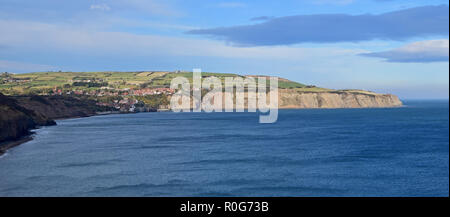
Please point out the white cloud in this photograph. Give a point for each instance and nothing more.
(438, 46)
(101, 7)
(422, 51)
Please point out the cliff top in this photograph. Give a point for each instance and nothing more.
(44, 82)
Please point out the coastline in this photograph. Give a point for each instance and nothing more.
(37, 111)
(5, 146)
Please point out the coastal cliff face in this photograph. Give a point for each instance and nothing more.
(301, 99)
(20, 114)
(16, 120)
(58, 107)
(336, 99)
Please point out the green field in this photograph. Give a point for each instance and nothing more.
(40, 82)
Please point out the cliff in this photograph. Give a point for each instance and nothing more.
(16, 121)
(59, 107)
(315, 98)
(336, 99)
(20, 114)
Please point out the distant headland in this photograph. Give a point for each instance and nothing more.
(36, 99)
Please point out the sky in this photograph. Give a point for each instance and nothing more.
(388, 46)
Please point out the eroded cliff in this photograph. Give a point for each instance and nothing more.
(336, 99)
(16, 121)
(20, 114)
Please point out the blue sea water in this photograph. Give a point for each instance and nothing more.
(330, 152)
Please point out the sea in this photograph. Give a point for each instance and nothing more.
(309, 152)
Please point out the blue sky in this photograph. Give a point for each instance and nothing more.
(390, 46)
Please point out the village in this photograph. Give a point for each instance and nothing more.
(125, 99)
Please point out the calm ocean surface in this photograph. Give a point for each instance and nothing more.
(335, 152)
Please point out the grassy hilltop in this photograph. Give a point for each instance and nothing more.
(39, 82)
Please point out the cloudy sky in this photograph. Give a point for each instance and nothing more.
(390, 46)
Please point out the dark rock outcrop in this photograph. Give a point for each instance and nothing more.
(16, 121)
(20, 114)
(60, 107)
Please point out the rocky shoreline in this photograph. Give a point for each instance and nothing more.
(10, 144)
